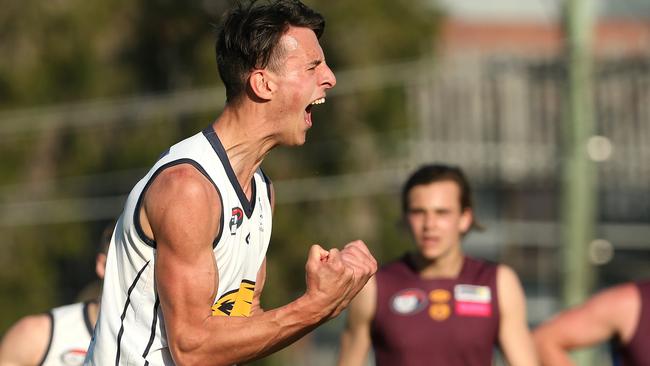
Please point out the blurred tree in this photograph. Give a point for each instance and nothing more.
(68, 50)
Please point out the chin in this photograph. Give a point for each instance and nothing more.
(300, 139)
(296, 139)
(296, 142)
(429, 255)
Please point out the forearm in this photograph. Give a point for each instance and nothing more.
(271, 331)
(230, 340)
(522, 353)
(553, 355)
(354, 348)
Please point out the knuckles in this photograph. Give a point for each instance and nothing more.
(345, 268)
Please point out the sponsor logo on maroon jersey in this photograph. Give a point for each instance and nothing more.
(409, 301)
(439, 309)
(473, 300)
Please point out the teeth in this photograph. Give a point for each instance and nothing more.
(318, 101)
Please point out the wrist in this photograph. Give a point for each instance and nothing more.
(315, 306)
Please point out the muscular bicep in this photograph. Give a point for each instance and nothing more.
(575, 328)
(609, 313)
(183, 210)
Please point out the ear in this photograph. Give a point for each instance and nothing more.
(261, 84)
(100, 265)
(466, 219)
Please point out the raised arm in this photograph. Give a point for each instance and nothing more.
(612, 312)
(183, 211)
(26, 342)
(514, 336)
(355, 340)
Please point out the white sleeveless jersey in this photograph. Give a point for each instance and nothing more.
(70, 335)
(131, 329)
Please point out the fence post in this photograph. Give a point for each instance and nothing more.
(579, 187)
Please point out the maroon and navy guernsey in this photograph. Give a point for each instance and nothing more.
(635, 352)
(449, 322)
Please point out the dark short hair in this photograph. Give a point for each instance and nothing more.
(105, 238)
(249, 35)
(432, 173)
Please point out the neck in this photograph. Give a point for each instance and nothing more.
(242, 133)
(93, 311)
(446, 266)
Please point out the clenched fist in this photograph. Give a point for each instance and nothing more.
(334, 277)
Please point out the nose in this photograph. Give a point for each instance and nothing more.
(328, 79)
(429, 221)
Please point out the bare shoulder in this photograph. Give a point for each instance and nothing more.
(181, 197)
(507, 278)
(505, 270)
(26, 341)
(182, 181)
(509, 289)
(31, 325)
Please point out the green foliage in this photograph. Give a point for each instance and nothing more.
(370, 32)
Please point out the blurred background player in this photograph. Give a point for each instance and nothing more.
(435, 305)
(61, 336)
(620, 314)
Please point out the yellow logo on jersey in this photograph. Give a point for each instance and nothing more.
(439, 312)
(236, 302)
(439, 309)
(440, 295)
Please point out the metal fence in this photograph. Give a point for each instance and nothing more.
(501, 119)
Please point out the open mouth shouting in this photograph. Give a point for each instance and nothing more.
(308, 110)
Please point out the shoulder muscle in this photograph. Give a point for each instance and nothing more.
(26, 341)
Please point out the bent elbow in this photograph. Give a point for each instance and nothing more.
(192, 359)
(186, 350)
(191, 352)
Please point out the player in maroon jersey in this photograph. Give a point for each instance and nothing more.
(620, 313)
(435, 305)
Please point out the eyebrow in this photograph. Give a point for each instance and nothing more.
(416, 209)
(315, 63)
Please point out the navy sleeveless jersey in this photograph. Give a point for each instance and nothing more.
(436, 321)
(635, 352)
